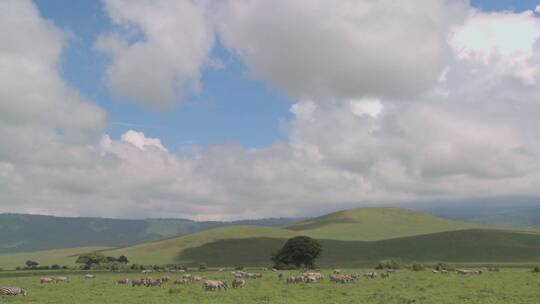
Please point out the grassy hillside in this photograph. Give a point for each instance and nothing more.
(355, 237)
(465, 246)
(368, 224)
(23, 233)
(169, 251)
(49, 257)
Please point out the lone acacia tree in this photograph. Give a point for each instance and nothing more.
(300, 251)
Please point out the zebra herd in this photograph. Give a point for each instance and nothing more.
(239, 279)
(336, 277)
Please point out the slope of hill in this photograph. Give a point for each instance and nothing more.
(526, 215)
(48, 257)
(368, 224)
(169, 251)
(24, 233)
(356, 237)
(463, 246)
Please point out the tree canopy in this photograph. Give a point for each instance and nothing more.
(300, 251)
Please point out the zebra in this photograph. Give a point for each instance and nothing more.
(61, 279)
(12, 291)
(46, 280)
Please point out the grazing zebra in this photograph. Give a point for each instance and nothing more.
(122, 281)
(212, 285)
(370, 275)
(136, 283)
(61, 279)
(46, 280)
(89, 276)
(12, 291)
(180, 282)
(238, 283)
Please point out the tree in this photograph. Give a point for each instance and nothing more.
(31, 264)
(123, 259)
(300, 251)
(91, 258)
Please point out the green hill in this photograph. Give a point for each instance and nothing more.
(170, 250)
(48, 257)
(24, 232)
(368, 224)
(356, 237)
(350, 237)
(464, 246)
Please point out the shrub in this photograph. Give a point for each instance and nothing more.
(239, 268)
(202, 266)
(417, 267)
(536, 269)
(390, 263)
(31, 264)
(444, 266)
(123, 259)
(55, 266)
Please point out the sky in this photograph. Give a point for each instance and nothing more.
(220, 110)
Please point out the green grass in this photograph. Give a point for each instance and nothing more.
(167, 251)
(49, 257)
(473, 246)
(405, 287)
(356, 237)
(370, 224)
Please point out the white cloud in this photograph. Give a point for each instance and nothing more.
(503, 40)
(367, 106)
(31, 90)
(320, 49)
(350, 143)
(158, 51)
(140, 141)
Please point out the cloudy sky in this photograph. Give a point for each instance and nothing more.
(243, 108)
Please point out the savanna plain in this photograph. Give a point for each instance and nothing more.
(509, 285)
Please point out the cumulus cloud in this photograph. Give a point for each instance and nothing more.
(492, 39)
(394, 103)
(321, 49)
(31, 89)
(158, 51)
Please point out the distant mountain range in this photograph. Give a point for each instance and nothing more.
(23, 232)
(27, 233)
(349, 238)
(512, 212)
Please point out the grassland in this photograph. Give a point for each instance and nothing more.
(372, 224)
(354, 238)
(464, 246)
(48, 257)
(168, 251)
(405, 287)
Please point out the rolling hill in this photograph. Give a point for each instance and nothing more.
(370, 224)
(356, 237)
(25, 233)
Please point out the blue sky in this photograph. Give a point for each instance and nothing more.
(230, 108)
(347, 105)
